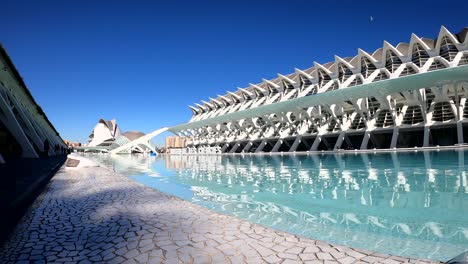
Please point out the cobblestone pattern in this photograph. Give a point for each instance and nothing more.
(93, 215)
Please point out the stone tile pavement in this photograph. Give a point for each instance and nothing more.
(92, 215)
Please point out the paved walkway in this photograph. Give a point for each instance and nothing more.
(90, 214)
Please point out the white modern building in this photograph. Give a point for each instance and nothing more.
(104, 133)
(107, 136)
(409, 95)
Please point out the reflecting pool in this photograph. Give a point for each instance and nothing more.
(411, 204)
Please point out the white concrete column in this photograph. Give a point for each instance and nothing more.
(365, 139)
(427, 132)
(32, 133)
(224, 147)
(316, 143)
(15, 129)
(235, 147)
(460, 132)
(39, 130)
(459, 114)
(277, 145)
(247, 146)
(394, 141)
(461, 108)
(261, 146)
(295, 144)
(340, 140)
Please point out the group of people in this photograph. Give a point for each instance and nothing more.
(59, 150)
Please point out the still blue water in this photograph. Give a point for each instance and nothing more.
(411, 204)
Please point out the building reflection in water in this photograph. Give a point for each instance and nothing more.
(406, 199)
(421, 195)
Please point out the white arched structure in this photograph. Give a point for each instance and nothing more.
(409, 95)
(398, 96)
(143, 141)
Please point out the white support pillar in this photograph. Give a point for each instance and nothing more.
(295, 144)
(43, 133)
(247, 146)
(460, 108)
(459, 114)
(148, 145)
(394, 141)
(346, 139)
(427, 132)
(235, 147)
(10, 121)
(365, 140)
(50, 136)
(39, 130)
(460, 132)
(261, 146)
(277, 145)
(32, 131)
(339, 141)
(225, 146)
(316, 143)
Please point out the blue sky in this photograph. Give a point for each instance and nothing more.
(143, 62)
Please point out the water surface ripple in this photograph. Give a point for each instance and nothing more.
(412, 204)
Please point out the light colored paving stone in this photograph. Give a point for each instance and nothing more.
(273, 259)
(324, 256)
(308, 256)
(287, 256)
(338, 255)
(289, 261)
(279, 248)
(312, 249)
(347, 260)
(263, 251)
(355, 254)
(142, 258)
(295, 250)
(372, 259)
(314, 262)
(236, 260)
(92, 215)
(390, 261)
